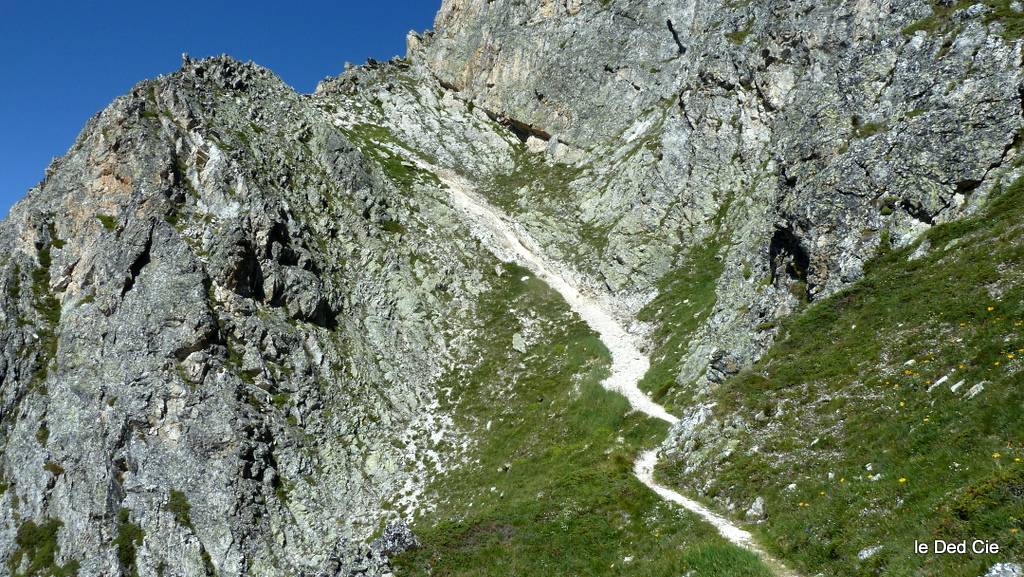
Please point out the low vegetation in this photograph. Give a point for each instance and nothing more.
(941, 20)
(35, 553)
(377, 143)
(108, 222)
(533, 179)
(48, 308)
(129, 538)
(549, 490)
(179, 506)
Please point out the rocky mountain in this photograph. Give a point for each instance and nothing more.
(384, 327)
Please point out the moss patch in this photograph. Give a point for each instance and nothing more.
(48, 308)
(107, 221)
(178, 505)
(739, 36)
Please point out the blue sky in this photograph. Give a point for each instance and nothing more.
(64, 61)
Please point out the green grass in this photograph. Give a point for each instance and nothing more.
(129, 538)
(838, 394)
(532, 179)
(108, 222)
(374, 142)
(940, 21)
(553, 492)
(35, 552)
(178, 505)
(686, 297)
(535, 184)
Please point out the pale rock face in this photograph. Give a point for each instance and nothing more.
(756, 510)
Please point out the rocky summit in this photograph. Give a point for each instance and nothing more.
(576, 287)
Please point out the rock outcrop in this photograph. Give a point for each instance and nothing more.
(220, 327)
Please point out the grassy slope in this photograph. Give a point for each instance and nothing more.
(567, 504)
(686, 296)
(839, 375)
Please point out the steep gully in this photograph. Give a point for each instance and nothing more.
(629, 363)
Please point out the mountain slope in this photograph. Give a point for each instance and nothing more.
(887, 414)
(248, 332)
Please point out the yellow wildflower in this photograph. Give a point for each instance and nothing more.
(903, 480)
(990, 309)
(996, 455)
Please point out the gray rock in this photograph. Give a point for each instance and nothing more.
(397, 538)
(756, 511)
(869, 552)
(1005, 570)
(518, 343)
(233, 294)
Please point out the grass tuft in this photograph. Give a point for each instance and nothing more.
(35, 553)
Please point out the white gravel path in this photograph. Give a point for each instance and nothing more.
(629, 364)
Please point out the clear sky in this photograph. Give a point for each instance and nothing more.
(63, 61)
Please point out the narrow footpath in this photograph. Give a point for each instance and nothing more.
(629, 364)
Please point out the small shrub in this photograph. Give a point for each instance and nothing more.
(107, 221)
(129, 537)
(36, 552)
(179, 506)
(740, 35)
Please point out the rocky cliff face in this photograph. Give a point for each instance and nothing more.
(226, 310)
(218, 336)
(789, 134)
